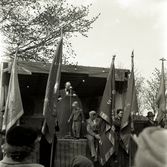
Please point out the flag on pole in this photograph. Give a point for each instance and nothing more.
(161, 99)
(13, 106)
(51, 94)
(131, 107)
(107, 109)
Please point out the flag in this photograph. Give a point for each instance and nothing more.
(13, 106)
(131, 107)
(161, 99)
(107, 148)
(51, 94)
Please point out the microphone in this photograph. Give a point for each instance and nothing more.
(70, 90)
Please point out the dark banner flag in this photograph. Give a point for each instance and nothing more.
(51, 94)
(107, 109)
(161, 99)
(13, 106)
(131, 107)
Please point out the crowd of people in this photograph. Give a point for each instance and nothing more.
(19, 141)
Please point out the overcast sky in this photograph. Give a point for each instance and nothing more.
(124, 25)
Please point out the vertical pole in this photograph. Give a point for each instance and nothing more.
(1, 106)
(113, 92)
(52, 151)
(54, 135)
(1, 94)
(69, 125)
(162, 72)
(131, 120)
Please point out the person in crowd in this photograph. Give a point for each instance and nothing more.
(77, 118)
(66, 91)
(118, 119)
(18, 147)
(117, 125)
(152, 147)
(150, 121)
(81, 161)
(93, 129)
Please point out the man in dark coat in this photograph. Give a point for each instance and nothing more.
(150, 121)
(66, 91)
(117, 124)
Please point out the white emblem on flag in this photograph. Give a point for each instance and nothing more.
(109, 101)
(113, 92)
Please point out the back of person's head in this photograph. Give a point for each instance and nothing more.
(81, 161)
(152, 148)
(20, 142)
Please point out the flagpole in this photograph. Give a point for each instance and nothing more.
(162, 59)
(15, 58)
(54, 135)
(161, 98)
(113, 94)
(113, 108)
(13, 105)
(130, 147)
(52, 150)
(106, 114)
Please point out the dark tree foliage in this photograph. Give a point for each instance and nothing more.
(35, 26)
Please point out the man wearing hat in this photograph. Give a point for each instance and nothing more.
(81, 161)
(18, 147)
(152, 148)
(150, 121)
(93, 128)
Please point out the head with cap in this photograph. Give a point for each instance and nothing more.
(20, 142)
(152, 148)
(81, 161)
(150, 115)
(92, 115)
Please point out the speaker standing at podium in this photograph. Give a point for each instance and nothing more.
(66, 91)
(64, 109)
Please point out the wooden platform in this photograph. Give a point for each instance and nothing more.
(66, 149)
